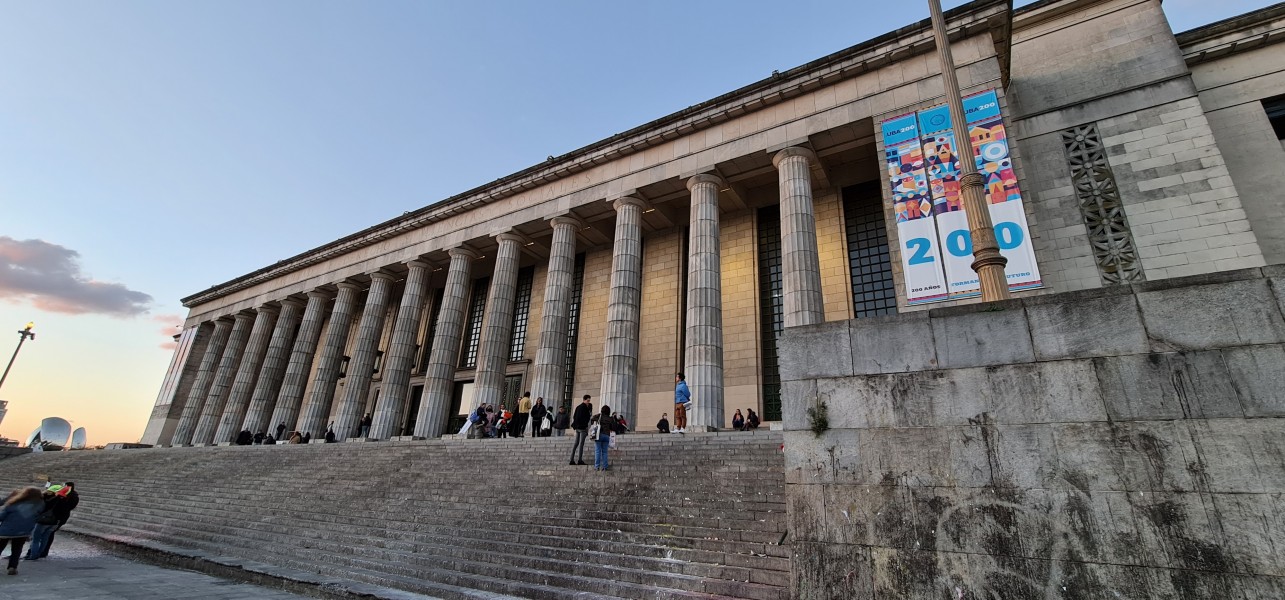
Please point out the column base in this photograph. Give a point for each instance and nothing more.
(202, 445)
(317, 441)
(362, 439)
(225, 444)
(406, 438)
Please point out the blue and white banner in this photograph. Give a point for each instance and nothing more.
(948, 247)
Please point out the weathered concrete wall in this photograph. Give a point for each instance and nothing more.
(12, 451)
(1120, 442)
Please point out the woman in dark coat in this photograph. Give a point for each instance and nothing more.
(17, 519)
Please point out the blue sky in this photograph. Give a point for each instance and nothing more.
(175, 145)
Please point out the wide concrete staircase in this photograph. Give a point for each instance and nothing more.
(677, 517)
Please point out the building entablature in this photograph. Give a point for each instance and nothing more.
(888, 70)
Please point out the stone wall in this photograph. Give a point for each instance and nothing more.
(12, 451)
(1120, 442)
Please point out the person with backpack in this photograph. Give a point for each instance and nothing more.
(601, 427)
(17, 520)
(46, 522)
(70, 500)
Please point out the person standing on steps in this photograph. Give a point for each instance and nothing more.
(561, 422)
(682, 401)
(524, 414)
(580, 423)
(281, 430)
(662, 426)
(70, 500)
(365, 426)
(17, 520)
(538, 412)
(604, 424)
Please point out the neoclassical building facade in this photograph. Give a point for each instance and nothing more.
(1113, 151)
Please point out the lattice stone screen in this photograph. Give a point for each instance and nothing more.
(1100, 206)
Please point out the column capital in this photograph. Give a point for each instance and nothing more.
(245, 315)
(268, 308)
(510, 236)
(462, 252)
(793, 151)
(382, 276)
(623, 201)
(566, 221)
(348, 285)
(696, 180)
(318, 293)
(292, 302)
(222, 319)
(418, 263)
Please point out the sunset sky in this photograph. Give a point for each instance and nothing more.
(150, 149)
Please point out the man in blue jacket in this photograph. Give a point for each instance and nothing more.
(682, 399)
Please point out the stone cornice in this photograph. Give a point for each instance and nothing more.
(975, 18)
(1234, 35)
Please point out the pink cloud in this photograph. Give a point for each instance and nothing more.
(172, 326)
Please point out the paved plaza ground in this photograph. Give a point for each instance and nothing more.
(76, 570)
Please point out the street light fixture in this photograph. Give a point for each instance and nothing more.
(23, 334)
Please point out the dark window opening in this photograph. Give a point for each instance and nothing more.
(1275, 108)
(473, 331)
(426, 350)
(873, 290)
(573, 333)
(771, 307)
(521, 312)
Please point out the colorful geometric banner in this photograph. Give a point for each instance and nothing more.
(912, 203)
(939, 157)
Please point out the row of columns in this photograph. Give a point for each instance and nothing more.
(255, 368)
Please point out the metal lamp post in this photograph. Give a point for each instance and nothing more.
(23, 334)
(987, 261)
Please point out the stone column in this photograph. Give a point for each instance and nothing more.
(549, 373)
(800, 262)
(439, 380)
(274, 364)
(401, 354)
(703, 351)
(361, 369)
(624, 310)
(243, 385)
(305, 347)
(317, 411)
(497, 327)
(201, 387)
(228, 362)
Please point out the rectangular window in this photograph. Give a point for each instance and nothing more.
(473, 326)
(521, 312)
(873, 292)
(771, 307)
(426, 350)
(1275, 108)
(573, 333)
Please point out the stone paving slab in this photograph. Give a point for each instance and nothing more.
(76, 570)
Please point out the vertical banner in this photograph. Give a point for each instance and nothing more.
(944, 172)
(1008, 213)
(936, 247)
(912, 203)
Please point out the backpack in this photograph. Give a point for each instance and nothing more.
(595, 429)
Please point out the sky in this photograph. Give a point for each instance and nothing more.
(151, 149)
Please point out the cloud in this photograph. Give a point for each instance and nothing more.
(48, 276)
(171, 326)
